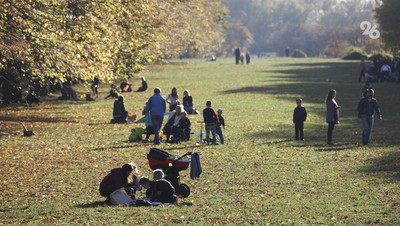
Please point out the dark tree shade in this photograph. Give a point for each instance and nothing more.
(388, 17)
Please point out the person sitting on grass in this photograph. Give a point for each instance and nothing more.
(119, 112)
(125, 87)
(184, 127)
(172, 125)
(172, 99)
(67, 91)
(158, 174)
(124, 177)
(143, 88)
(162, 190)
(188, 103)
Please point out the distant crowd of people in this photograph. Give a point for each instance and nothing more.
(240, 57)
(379, 70)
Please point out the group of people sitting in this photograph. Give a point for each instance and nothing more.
(380, 70)
(121, 184)
(178, 125)
(127, 87)
(173, 101)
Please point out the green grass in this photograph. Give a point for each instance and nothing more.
(260, 176)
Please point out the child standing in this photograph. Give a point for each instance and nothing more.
(219, 124)
(210, 120)
(184, 126)
(299, 116)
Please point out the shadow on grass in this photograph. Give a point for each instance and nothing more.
(122, 146)
(92, 205)
(36, 119)
(182, 147)
(99, 124)
(313, 81)
(102, 204)
(385, 166)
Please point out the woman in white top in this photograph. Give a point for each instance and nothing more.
(172, 99)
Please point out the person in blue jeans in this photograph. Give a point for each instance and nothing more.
(218, 129)
(156, 105)
(366, 107)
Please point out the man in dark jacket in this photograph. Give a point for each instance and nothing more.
(210, 119)
(366, 108)
(299, 116)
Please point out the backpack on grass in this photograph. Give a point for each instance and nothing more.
(136, 134)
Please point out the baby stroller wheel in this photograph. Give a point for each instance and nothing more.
(183, 191)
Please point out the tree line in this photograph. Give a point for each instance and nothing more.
(317, 27)
(49, 40)
(45, 41)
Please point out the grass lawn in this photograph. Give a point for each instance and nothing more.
(260, 176)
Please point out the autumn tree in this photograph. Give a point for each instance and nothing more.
(84, 39)
(388, 17)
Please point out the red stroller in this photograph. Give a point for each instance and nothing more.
(159, 159)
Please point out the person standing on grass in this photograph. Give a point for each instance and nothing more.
(237, 55)
(361, 70)
(210, 120)
(220, 124)
(156, 105)
(332, 113)
(366, 107)
(248, 58)
(299, 116)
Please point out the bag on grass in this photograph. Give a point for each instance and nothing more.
(120, 196)
(136, 134)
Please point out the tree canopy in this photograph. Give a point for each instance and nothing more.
(309, 25)
(84, 39)
(388, 17)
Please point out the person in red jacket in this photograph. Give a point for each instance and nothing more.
(123, 177)
(361, 70)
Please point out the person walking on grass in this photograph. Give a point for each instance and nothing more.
(210, 120)
(156, 105)
(299, 116)
(332, 113)
(366, 107)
